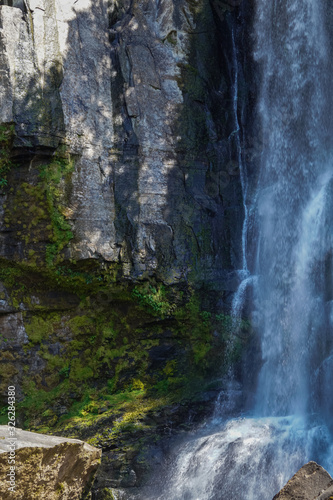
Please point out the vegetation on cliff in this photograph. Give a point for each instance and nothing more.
(107, 360)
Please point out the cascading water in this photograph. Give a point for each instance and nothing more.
(253, 456)
(243, 274)
(296, 172)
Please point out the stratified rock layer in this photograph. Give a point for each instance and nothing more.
(137, 96)
(311, 482)
(46, 467)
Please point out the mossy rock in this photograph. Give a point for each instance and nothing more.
(106, 494)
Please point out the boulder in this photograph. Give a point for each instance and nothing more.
(311, 482)
(45, 467)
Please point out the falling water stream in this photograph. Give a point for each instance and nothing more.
(290, 423)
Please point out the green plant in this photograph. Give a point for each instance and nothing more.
(152, 298)
(64, 372)
(51, 176)
(206, 317)
(7, 132)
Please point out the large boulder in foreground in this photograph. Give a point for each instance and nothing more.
(46, 467)
(311, 482)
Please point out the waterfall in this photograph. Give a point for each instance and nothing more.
(253, 455)
(241, 165)
(243, 274)
(295, 186)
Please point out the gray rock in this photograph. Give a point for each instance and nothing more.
(311, 482)
(128, 92)
(30, 96)
(13, 330)
(127, 477)
(46, 466)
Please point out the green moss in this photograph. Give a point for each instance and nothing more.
(52, 176)
(106, 374)
(106, 494)
(9, 273)
(7, 373)
(7, 133)
(82, 325)
(40, 207)
(79, 371)
(37, 400)
(38, 329)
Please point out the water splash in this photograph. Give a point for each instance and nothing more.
(247, 458)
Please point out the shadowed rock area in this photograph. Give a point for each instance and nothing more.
(46, 467)
(311, 482)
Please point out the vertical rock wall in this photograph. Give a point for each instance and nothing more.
(119, 176)
(137, 94)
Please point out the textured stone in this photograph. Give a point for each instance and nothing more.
(46, 467)
(133, 93)
(311, 482)
(12, 329)
(30, 97)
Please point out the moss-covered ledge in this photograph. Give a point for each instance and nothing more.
(117, 363)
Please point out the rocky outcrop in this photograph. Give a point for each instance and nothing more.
(137, 96)
(311, 482)
(45, 467)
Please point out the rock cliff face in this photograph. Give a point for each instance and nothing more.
(120, 212)
(134, 94)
